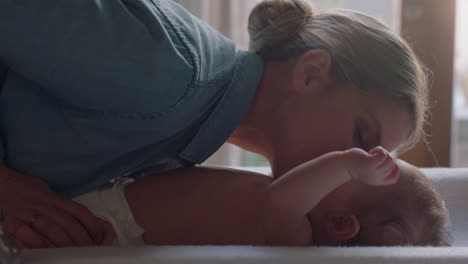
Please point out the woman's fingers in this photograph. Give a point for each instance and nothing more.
(91, 223)
(51, 231)
(23, 234)
(69, 226)
(45, 220)
(34, 198)
(56, 226)
(80, 224)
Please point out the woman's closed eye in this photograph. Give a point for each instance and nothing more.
(361, 136)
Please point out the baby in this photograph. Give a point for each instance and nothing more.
(344, 198)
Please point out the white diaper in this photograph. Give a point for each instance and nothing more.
(110, 204)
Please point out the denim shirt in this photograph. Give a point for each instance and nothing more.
(99, 89)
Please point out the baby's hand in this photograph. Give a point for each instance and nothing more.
(374, 168)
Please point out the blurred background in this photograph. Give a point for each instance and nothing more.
(438, 32)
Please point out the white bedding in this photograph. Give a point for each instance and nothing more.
(451, 183)
(246, 254)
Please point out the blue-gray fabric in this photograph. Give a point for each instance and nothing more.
(98, 89)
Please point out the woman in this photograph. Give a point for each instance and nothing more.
(101, 89)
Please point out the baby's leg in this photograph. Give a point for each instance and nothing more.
(109, 236)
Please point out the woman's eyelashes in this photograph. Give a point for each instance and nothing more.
(361, 136)
(365, 135)
(357, 137)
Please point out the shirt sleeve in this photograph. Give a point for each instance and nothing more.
(3, 71)
(2, 149)
(96, 53)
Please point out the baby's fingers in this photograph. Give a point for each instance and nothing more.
(383, 169)
(378, 157)
(393, 175)
(388, 167)
(388, 172)
(387, 164)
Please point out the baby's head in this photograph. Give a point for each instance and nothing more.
(409, 212)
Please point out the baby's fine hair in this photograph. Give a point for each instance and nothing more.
(419, 200)
(364, 52)
(429, 206)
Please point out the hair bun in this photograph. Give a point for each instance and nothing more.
(274, 21)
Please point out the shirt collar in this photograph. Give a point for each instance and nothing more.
(229, 111)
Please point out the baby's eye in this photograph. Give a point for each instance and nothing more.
(393, 234)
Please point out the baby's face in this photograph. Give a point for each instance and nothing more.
(380, 216)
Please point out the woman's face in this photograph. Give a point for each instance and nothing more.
(338, 119)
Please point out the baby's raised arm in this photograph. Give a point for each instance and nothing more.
(301, 189)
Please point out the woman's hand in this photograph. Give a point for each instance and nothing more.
(36, 217)
(376, 167)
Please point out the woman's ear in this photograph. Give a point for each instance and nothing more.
(342, 226)
(311, 71)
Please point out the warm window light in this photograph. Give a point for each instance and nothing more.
(459, 146)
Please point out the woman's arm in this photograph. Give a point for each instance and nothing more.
(302, 188)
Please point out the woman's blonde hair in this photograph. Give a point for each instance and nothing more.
(364, 52)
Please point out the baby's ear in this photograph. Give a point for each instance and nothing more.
(343, 226)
